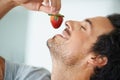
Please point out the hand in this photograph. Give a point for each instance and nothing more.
(47, 6)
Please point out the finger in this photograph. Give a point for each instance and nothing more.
(47, 9)
(46, 2)
(58, 5)
(53, 5)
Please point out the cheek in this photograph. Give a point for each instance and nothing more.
(72, 56)
(77, 43)
(72, 53)
(75, 50)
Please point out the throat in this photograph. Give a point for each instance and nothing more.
(70, 73)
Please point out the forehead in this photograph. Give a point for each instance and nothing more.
(101, 25)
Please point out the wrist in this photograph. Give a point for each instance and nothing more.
(8, 3)
(6, 6)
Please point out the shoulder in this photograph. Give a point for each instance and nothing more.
(2, 68)
(32, 73)
(2, 62)
(26, 72)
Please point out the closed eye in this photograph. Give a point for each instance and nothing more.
(82, 27)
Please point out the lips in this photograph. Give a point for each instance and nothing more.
(66, 33)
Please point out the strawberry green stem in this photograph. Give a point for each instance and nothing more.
(56, 15)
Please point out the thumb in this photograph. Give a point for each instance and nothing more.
(48, 9)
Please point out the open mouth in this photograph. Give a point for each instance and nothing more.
(66, 33)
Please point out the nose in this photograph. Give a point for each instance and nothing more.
(73, 25)
(69, 24)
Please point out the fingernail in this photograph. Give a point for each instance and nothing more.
(56, 12)
(47, 4)
(53, 9)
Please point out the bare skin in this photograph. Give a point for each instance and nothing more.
(71, 52)
(47, 6)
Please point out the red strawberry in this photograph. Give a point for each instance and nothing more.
(56, 20)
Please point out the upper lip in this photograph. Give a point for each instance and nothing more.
(67, 30)
(66, 33)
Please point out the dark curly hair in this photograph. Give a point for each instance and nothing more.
(109, 46)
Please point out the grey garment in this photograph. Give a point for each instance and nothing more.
(24, 72)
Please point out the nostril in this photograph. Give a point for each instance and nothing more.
(67, 24)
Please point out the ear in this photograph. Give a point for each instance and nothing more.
(98, 60)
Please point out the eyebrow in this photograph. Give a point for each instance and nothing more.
(90, 22)
(87, 20)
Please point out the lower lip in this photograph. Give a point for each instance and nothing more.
(60, 36)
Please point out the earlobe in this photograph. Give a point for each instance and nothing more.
(102, 60)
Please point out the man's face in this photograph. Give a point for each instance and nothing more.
(77, 39)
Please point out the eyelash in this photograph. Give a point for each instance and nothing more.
(83, 27)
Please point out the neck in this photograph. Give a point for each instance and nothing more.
(62, 72)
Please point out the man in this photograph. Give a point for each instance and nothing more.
(87, 50)
(12, 71)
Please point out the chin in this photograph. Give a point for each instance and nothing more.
(49, 43)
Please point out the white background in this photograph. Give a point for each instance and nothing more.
(23, 33)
